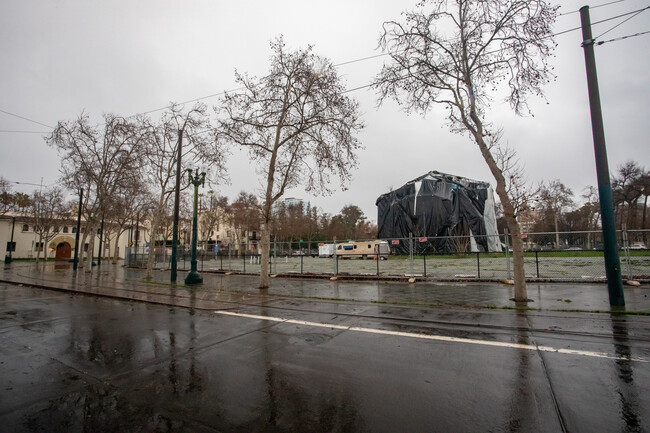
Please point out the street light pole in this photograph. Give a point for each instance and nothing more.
(197, 180)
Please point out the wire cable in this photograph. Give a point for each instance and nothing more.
(592, 7)
(24, 132)
(621, 23)
(622, 37)
(25, 118)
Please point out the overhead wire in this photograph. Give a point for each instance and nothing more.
(622, 22)
(25, 118)
(592, 7)
(623, 37)
(634, 13)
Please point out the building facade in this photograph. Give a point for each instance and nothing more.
(21, 241)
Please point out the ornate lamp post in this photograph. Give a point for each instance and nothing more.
(199, 179)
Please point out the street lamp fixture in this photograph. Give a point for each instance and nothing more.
(197, 180)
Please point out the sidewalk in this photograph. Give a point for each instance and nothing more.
(218, 289)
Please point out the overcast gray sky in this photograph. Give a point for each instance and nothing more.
(58, 58)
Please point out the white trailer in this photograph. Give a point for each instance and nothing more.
(372, 249)
(326, 250)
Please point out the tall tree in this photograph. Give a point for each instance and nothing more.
(49, 212)
(161, 156)
(244, 217)
(6, 196)
(212, 214)
(298, 125)
(627, 189)
(554, 199)
(98, 158)
(351, 216)
(128, 201)
(461, 53)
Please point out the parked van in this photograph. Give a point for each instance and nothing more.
(363, 250)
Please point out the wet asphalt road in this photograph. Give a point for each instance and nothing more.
(73, 363)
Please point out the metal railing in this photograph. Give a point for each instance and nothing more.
(569, 256)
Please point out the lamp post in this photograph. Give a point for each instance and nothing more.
(197, 180)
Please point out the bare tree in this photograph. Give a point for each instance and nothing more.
(49, 212)
(298, 125)
(459, 54)
(244, 216)
(627, 188)
(6, 197)
(592, 208)
(554, 199)
(522, 194)
(212, 214)
(161, 156)
(98, 158)
(132, 199)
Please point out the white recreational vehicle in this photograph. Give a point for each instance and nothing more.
(373, 249)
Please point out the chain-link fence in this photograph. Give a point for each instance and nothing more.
(569, 256)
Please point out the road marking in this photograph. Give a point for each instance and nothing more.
(435, 337)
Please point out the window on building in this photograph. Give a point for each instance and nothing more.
(11, 246)
(74, 230)
(25, 227)
(65, 229)
(38, 246)
(86, 248)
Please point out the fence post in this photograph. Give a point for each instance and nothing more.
(626, 249)
(378, 258)
(411, 253)
(537, 263)
(336, 261)
(301, 262)
(424, 255)
(478, 265)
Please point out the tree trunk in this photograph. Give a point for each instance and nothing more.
(521, 294)
(38, 248)
(155, 222)
(80, 250)
(91, 249)
(557, 231)
(265, 246)
(645, 206)
(115, 248)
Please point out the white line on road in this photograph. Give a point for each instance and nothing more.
(435, 337)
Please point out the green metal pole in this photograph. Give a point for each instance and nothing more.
(612, 262)
(193, 277)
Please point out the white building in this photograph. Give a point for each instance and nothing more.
(26, 242)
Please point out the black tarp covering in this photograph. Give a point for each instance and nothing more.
(444, 208)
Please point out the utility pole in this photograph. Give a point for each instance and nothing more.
(177, 193)
(612, 262)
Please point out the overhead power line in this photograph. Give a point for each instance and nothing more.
(361, 59)
(24, 132)
(622, 37)
(621, 23)
(592, 7)
(25, 118)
